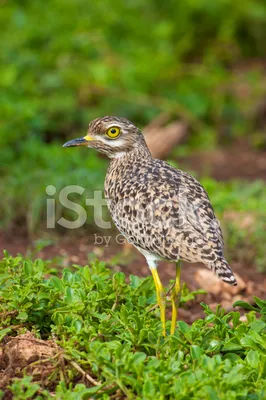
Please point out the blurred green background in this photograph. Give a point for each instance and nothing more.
(66, 62)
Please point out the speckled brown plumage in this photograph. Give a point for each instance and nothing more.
(164, 212)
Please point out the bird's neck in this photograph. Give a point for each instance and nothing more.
(126, 166)
(133, 155)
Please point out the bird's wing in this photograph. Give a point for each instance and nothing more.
(198, 210)
(183, 202)
(167, 212)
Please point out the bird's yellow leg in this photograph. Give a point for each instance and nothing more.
(175, 297)
(160, 295)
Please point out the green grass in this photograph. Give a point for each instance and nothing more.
(104, 327)
(63, 63)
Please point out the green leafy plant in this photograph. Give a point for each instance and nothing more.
(63, 63)
(111, 341)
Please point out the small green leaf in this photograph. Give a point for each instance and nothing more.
(119, 277)
(57, 283)
(138, 358)
(232, 347)
(244, 304)
(236, 318)
(142, 301)
(259, 302)
(149, 389)
(28, 269)
(253, 358)
(70, 295)
(257, 326)
(135, 281)
(23, 316)
(184, 328)
(4, 332)
(196, 352)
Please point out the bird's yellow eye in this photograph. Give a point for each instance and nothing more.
(113, 132)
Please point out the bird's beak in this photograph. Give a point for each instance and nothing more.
(78, 142)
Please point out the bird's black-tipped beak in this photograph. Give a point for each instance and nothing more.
(78, 142)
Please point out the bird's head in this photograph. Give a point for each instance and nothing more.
(113, 136)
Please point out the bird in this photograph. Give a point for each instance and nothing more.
(163, 211)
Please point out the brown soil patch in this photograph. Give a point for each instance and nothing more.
(25, 353)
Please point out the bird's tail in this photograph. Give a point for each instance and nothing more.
(223, 270)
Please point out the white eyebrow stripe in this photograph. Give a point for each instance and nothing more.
(111, 142)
